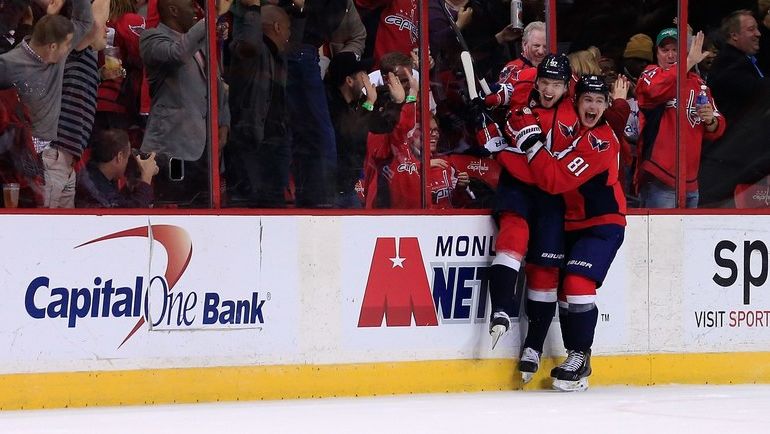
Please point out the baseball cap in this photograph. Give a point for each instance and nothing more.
(345, 64)
(665, 34)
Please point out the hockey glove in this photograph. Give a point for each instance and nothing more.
(524, 128)
(501, 96)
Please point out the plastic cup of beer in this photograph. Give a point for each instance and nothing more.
(11, 195)
(112, 58)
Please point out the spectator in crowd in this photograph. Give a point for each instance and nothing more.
(448, 185)
(78, 107)
(763, 18)
(741, 92)
(457, 25)
(118, 98)
(174, 57)
(583, 62)
(350, 35)
(314, 151)
(636, 56)
(397, 28)
(35, 68)
(97, 185)
(388, 154)
(258, 155)
(518, 77)
(656, 89)
(484, 29)
(356, 110)
(16, 21)
(704, 67)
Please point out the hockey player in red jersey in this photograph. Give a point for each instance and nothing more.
(531, 221)
(586, 175)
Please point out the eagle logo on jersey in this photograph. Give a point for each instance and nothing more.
(568, 130)
(508, 73)
(598, 144)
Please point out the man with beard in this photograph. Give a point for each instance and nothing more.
(355, 112)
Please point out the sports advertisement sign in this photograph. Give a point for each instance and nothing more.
(423, 289)
(726, 304)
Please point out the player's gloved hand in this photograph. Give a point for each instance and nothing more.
(477, 108)
(500, 96)
(490, 137)
(524, 128)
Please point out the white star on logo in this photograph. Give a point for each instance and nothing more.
(397, 262)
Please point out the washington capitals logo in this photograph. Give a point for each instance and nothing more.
(568, 130)
(598, 144)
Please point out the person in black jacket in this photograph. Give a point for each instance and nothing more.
(258, 155)
(740, 90)
(358, 108)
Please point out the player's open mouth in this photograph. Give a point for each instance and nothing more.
(547, 97)
(591, 117)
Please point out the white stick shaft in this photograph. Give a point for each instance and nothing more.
(470, 76)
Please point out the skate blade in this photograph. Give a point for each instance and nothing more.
(526, 377)
(571, 386)
(497, 332)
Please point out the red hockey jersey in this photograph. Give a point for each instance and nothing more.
(586, 174)
(398, 28)
(656, 95)
(519, 76)
(391, 154)
(560, 128)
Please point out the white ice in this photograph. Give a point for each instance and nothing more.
(664, 409)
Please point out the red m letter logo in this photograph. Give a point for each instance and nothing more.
(397, 286)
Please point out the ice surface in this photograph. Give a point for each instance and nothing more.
(663, 409)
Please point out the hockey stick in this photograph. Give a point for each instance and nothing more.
(464, 45)
(470, 74)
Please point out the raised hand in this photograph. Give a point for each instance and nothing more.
(397, 92)
(464, 16)
(620, 87)
(371, 91)
(696, 54)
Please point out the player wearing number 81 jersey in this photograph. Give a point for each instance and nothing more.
(586, 175)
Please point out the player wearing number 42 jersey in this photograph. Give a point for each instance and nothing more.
(586, 175)
(531, 221)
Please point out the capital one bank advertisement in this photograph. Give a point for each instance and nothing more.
(123, 292)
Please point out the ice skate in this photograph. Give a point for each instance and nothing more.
(528, 364)
(572, 374)
(498, 326)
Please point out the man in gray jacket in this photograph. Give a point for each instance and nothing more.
(174, 58)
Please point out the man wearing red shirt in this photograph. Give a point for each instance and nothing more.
(656, 95)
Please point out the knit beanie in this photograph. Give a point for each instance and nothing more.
(639, 47)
